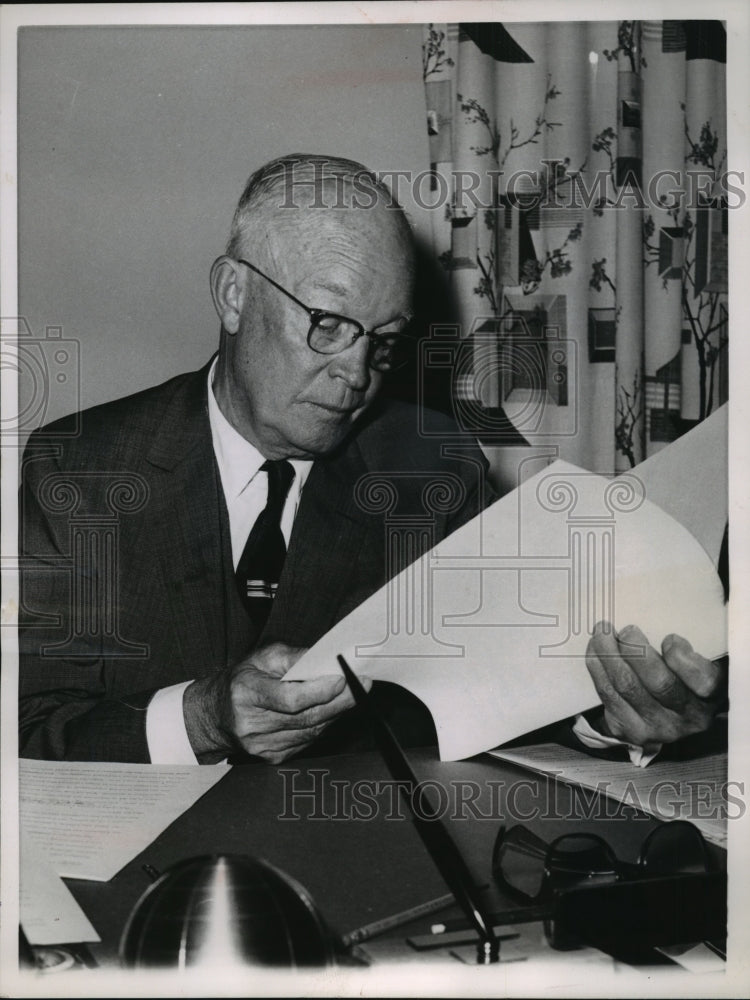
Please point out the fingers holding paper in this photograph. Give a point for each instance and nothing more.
(253, 707)
(274, 718)
(652, 697)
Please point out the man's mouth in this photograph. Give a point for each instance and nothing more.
(334, 408)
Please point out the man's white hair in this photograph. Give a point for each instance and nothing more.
(304, 180)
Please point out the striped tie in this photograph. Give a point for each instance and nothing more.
(259, 569)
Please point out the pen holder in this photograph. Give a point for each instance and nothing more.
(226, 912)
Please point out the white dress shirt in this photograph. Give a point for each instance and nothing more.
(597, 741)
(245, 490)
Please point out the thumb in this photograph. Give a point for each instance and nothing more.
(277, 658)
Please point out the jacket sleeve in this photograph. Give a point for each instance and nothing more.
(69, 708)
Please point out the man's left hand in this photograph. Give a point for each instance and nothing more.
(649, 698)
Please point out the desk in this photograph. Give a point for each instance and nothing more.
(358, 869)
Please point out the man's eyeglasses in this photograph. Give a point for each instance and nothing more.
(533, 869)
(331, 333)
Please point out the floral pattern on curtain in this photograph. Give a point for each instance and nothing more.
(579, 168)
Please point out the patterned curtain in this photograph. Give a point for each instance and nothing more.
(580, 173)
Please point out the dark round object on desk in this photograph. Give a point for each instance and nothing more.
(225, 912)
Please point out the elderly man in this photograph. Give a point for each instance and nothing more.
(243, 542)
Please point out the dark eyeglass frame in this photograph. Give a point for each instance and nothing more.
(556, 876)
(394, 343)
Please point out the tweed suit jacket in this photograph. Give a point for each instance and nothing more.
(127, 581)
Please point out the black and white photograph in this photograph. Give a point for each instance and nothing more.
(374, 485)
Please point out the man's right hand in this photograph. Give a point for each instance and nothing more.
(252, 706)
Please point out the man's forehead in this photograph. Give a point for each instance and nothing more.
(329, 284)
(349, 235)
(361, 274)
(351, 219)
(338, 274)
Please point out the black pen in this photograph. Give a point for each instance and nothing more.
(434, 835)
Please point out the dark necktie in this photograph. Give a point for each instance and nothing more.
(259, 568)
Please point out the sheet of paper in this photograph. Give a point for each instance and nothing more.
(89, 820)
(688, 480)
(695, 790)
(490, 628)
(49, 912)
(696, 958)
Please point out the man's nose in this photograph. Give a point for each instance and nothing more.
(351, 364)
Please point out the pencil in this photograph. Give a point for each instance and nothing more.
(397, 919)
(518, 915)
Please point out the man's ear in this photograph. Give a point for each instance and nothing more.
(227, 291)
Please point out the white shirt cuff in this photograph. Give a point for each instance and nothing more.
(597, 741)
(166, 735)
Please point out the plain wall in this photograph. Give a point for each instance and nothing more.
(134, 145)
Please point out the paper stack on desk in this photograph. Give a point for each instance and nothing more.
(490, 628)
(88, 820)
(696, 790)
(49, 912)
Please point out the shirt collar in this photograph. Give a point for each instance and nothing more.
(239, 461)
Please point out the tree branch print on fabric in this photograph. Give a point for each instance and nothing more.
(651, 250)
(706, 318)
(605, 142)
(599, 276)
(556, 174)
(487, 285)
(628, 401)
(557, 261)
(628, 416)
(600, 279)
(628, 42)
(702, 311)
(476, 114)
(433, 53)
(703, 152)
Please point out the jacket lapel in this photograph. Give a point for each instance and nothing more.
(189, 536)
